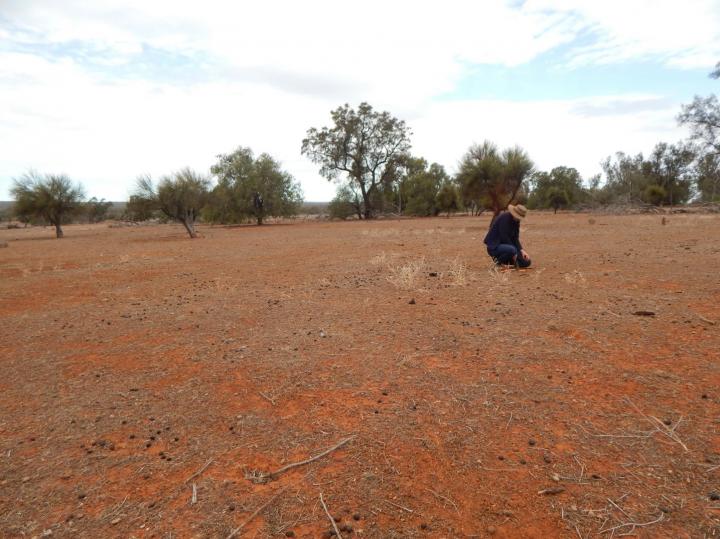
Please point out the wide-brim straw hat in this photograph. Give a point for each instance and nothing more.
(519, 211)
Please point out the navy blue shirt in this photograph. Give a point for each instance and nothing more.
(505, 229)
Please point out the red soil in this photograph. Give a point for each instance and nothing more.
(130, 357)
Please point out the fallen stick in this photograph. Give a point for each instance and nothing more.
(201, 470)
(438, 495)
(264, 396)
(670, 433)
(706, 320)
(400, 506)
(193, 501)
(264, 478)
(633, 525)
(255, 513)
(332, 520)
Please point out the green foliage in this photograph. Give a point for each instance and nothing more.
(703, 118)
(252, 188)
(52, 198)
(419, 189)
(654, 194)
(557, 198)
(668, 166)
(560, 188)
(365, 146)
(180, 196)
(345, 204)
(490, 178)
(707, 177)
(448, 198)
(97, 210)
(139, 208)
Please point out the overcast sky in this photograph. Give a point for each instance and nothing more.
(106, 90)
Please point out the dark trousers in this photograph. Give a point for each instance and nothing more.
(504, 253)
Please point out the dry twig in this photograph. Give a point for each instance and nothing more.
(332, 520)
(633, 525)
(670, 433)
(265, 477)
(201, 470)
(255, 513)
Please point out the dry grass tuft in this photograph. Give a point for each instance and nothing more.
(406, 276)
(458, 273)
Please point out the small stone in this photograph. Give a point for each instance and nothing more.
(704, 396)
(491, 530)
(412, 301)
(423, 526)
(714, 496)
(356, 516)
(25, 479)
(289, 533)
(47, 533)
(115, 521)
(433, 274)
(531, 441)
(547, 459)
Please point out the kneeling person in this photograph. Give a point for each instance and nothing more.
(503, 238)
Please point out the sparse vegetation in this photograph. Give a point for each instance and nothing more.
(51, 198)
(180, 196)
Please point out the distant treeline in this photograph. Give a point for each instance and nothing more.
(368, 154)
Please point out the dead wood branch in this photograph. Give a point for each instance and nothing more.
(260, 477)
(661, 427)
(332, 520)
(201, 470)
(633, 525)
(440, 496)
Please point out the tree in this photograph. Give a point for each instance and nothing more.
(491, 178)
(654, 194)
(559, 188)
(669, 166)
(448, 198)
(557, 198)
(703, 118)
(250, 187)
(96, 210)
(420, 187)
(53, 198)
(364, 145)
(707, 177)
(139, 208)
(180, 196)
(345, 204)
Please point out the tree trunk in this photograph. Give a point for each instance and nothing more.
(367, 210)
(58, 231)
(190, 227)
(259, 219)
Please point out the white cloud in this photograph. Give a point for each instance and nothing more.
(81, 94)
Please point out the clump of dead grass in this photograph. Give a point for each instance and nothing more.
(407, 275)
(458, 273)
(576, 278)
(379, 260)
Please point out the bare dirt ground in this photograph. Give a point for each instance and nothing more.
(139, 366)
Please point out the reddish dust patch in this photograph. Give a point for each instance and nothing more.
(153, 384)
